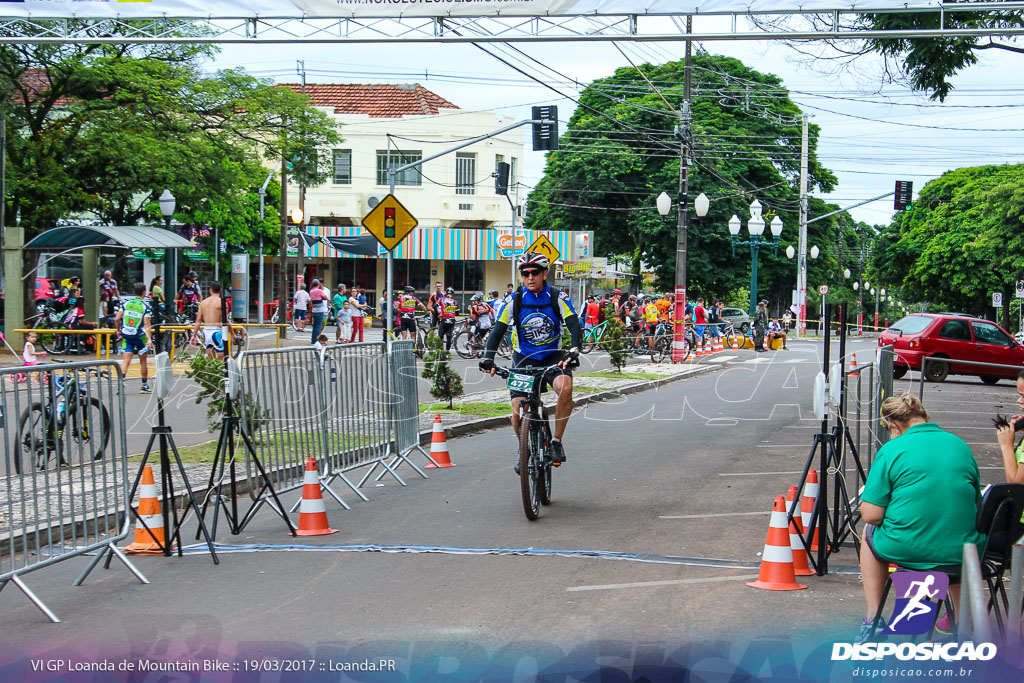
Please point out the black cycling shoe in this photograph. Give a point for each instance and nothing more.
(516, 466)
(557, 453)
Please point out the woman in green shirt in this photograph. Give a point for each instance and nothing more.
(919, 501)
(1013, 459)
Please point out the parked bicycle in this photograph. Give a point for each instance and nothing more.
(535, 465)
(68, 416)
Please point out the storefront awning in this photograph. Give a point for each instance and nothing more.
(362, 245)
(129, 236)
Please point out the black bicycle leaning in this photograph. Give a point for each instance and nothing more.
(69, 411)
(535, 464)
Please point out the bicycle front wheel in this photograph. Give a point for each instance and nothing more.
(464, 345)
(530, 470)
(662, 347)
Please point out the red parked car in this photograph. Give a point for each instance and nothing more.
(46, 288)
(955, 336)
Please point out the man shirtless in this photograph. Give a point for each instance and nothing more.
(210, 317)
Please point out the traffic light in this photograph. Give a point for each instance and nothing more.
(389, 221)
(501, 178)
(545, 133)
(904, 195)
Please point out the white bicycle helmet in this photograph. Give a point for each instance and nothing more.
(534, 259)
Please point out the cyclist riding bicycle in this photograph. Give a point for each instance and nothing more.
(536, 315)
(481, 316)
(188, 294)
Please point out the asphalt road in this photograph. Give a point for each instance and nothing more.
(657, 523)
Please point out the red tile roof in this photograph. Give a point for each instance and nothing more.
(381, 99)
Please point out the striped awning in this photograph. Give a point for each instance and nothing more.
(449, 244)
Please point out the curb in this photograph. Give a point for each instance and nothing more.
(485, 423)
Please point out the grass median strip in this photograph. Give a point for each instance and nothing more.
(306, 442)
(468, 408)
(608, 374)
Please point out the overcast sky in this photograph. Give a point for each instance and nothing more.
(872, 133)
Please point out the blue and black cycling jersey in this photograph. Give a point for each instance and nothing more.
(537, 335)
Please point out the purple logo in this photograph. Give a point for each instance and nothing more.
(918, 596)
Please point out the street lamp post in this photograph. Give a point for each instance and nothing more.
(801, 269)
(700, 205)
(881, 295)
(860, 309)
(755, 226)
(167, 204)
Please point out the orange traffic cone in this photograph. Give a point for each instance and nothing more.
(796, 527)
(735, 343)
(853, 364)
(312, 513)
(777, 559)
(698, 349)
(439, 446)
(149, 532)
(807, 506)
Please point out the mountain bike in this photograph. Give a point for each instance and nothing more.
(469, 345)
(68, 416)
(664, 336)
(534, 438)
(592, 337)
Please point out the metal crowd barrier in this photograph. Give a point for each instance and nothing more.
(64, 486)
(954, 362)
(283, 410)
(974, 624)
(867, 386)
(358, 403)
(405, 413)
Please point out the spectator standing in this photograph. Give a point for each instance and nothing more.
(299, 306)
(496, 303)
(159, 308)
(714, 313)
(700, 319)
(510, 292)
(345, 322)
(339, 303)
(108, 292)
(592, 313)
(359, 312)
(760, 326)
(317, 308)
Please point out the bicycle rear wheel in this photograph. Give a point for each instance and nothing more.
(544, 486)
(530, 471)
(662, 347)
(36, 443)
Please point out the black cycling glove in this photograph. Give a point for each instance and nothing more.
(487, 364)
(573, 355)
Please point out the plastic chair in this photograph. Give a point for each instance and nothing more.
(999, 518)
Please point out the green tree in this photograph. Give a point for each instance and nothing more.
(103, 129)
(447, 385)
(614, 340)
(959, 242)
(620, 151)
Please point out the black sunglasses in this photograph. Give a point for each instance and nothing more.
(530, 273)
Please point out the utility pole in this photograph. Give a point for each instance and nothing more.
(300, 68)
(682, 206)
(801, 277)
(282, 257)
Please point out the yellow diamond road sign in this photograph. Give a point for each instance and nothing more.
(389, 222)
(543, 245)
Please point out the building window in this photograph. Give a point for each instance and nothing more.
(342, 167)
(465, 207)
(415, 272)
(465, 173)
(464, 276)
(498, 158)
(512, 172)
(410, 176)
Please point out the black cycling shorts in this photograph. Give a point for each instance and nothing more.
(407, 324)
(548, 379)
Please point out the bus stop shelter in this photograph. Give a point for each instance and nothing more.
(91, 240)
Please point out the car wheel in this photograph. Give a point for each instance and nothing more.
(935, 371)
(745, 328)
(898, 371)
(989, 379)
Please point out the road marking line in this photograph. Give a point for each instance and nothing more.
(675, 582)
(752, 474)
(714, 514)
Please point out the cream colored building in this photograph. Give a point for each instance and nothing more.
(453, 197)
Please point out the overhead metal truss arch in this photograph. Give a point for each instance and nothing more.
(479, 29)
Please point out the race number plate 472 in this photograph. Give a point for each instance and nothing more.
(522, 383)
